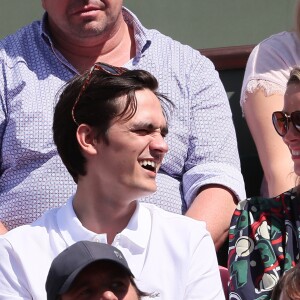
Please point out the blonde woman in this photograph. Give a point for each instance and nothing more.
(264, 84)
(265, 232)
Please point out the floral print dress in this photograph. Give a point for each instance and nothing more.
(263, 244)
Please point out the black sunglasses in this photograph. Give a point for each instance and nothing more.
(112, 70)
(281, 121)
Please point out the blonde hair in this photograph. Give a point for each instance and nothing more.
(294, 74)
(295, 79)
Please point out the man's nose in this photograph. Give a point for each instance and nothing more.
(108, 295)
(159, 144)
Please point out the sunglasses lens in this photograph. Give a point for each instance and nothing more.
(111, 69)
(295, 116)
(280, 122)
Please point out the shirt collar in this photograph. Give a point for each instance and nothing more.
(44, 32)
(141, 34)
(69, 225)
(45, 35)
(135, 236)
(138, 229)
(142, 37)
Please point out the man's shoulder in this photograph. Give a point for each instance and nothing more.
(163, 218)
(282, 41)
(22, 38)
(160, 39)
(280, 38)
(153, 35)
(36, 231)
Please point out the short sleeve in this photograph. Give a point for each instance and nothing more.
(270, 63)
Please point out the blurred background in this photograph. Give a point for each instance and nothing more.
(198, 23)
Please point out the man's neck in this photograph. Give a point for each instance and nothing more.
(115, 49)
(103, 215)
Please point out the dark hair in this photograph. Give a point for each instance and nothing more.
(138, 291)
(98, 105)
(288, 283)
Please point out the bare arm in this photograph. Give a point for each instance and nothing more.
(273, 153)
(214, 205)
(2, 229)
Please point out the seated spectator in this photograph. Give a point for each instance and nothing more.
(90, 270)
(288, 286)
(109, 128)
(264, 233)
(264, 84)
(200, 172)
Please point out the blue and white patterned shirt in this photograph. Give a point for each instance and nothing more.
(202, 138)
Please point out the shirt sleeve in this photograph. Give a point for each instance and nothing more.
(204, 280)
(213, 154)
(270, 63)
(12, 278)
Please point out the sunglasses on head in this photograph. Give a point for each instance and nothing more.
(109, 69)
(281, 121)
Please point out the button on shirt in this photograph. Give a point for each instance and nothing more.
(170, 255)
(202, 140)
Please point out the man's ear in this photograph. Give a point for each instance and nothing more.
(86, 139)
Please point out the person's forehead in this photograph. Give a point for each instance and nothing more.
(148, 109)
(149, 104)
(292, 97)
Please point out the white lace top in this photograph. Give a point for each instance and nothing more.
(270, 63)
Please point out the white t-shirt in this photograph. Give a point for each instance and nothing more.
(270, 63)
(170, 255)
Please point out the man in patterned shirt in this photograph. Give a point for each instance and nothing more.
(200, 176)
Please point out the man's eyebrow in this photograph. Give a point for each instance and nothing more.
(142, 125)
(164, 129)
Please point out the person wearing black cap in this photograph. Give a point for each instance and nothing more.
(90, 270)
(109, 127)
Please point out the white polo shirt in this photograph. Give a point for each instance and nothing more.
(170, 255)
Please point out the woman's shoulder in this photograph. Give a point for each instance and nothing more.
(284, 45)
(261, 204)
(280, 38)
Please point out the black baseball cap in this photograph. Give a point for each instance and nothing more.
(69, 263)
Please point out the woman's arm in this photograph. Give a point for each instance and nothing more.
(273, 153)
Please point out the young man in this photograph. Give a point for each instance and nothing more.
(91, 271)
(109, 128)
(200, 175)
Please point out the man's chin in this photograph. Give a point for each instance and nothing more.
(148, 192)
